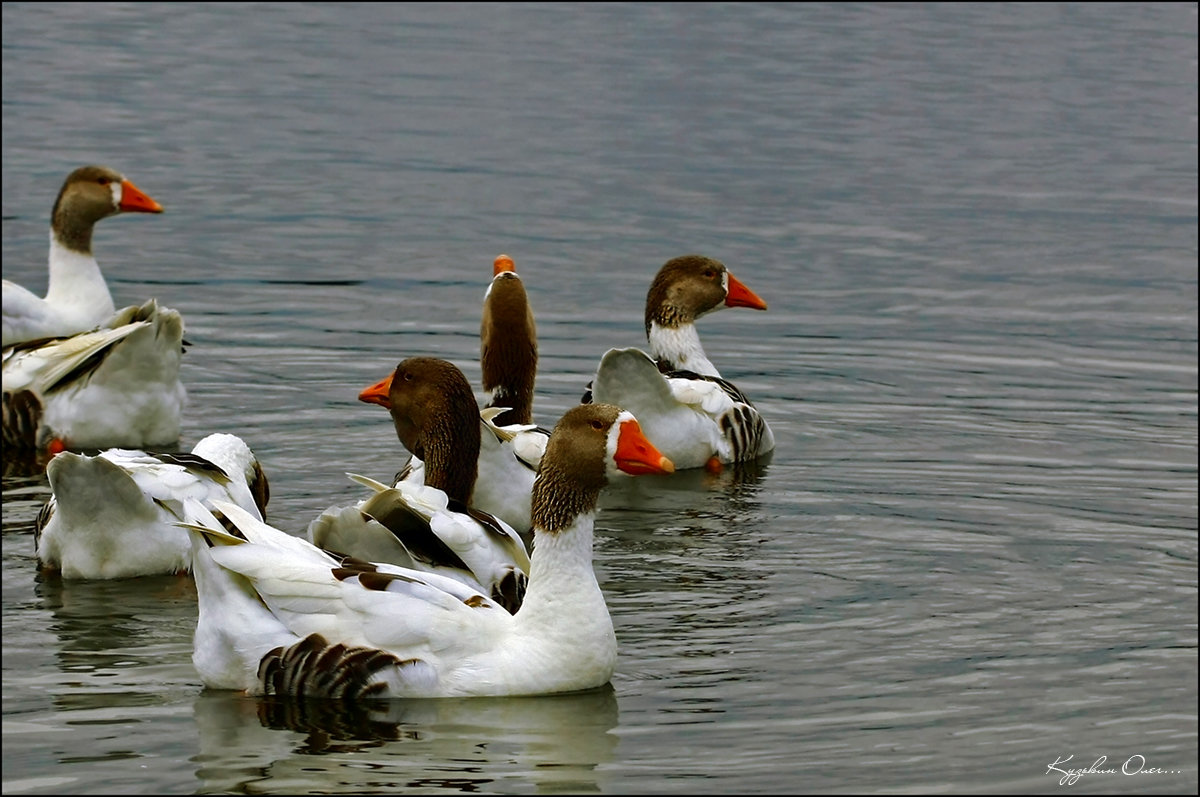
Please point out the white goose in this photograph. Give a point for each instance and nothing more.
(432, 524)
(115, 515)
(76, 374)
(697, 418)
(512, 444)
(117, 385)
(280, 616)
(77, 296)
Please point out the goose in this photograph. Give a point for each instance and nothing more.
(431, 524)
(114, 515)
(115, 386)
(77, 297)
(512, 444)
(278, 615)
(695, 417)
(508, 345)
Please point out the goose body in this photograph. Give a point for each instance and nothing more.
(509, 457)
(697, 418)
(117, 385)
(431, 524)
(419, 527)
(115, 515)
(279, 615)
(77, 297)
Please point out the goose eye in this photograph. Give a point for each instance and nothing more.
(710, 274)
(597, 425)
(103, 181)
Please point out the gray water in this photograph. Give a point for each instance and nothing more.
(974, 551)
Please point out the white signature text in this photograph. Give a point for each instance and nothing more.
(1134, 765)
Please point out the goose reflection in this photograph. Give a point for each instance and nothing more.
(691, 546)
(736, 487)
(694, 507)
(555, 743)
(22, 463)
(120, 643)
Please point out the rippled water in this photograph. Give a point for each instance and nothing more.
(973, 552)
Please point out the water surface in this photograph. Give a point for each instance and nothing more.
(973, 552)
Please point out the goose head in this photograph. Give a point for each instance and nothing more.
(436, 418)
(684, 289)
(91, 193)
(591, 444)
(687, 287)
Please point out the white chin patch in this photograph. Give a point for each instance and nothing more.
(117, 193)
(614, 436)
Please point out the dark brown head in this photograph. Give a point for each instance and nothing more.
(590, 443)
(436, 418)
(687, 287)
(91, 193)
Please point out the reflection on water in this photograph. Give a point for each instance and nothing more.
(326, 722)
(119, 641)
(557, 743)
(691, 537)
(23, 462)
(133, 604)
(732, 480)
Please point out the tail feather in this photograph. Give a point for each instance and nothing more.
(627, 375)
(95, 490)
(367, 481)
(347, 530)
(391, 508)
(509, 591)
(213, 528)
(42, 368)
(506, 432)
(234, 627)
(314, 668)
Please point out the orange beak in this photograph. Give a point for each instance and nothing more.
(378, 393)
(741, 296)
(636, 455)
(501, 264)
(132, 199)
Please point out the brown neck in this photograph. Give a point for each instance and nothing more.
(509, 350)
(667, 313)
(451, 454)
(519, 402)
(72, 229)
(557, 500)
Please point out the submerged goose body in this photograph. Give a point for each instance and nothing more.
(117, 385)
(697, 418)
(77, 297)
(116, 514)
(279, 615)
(431, 525)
